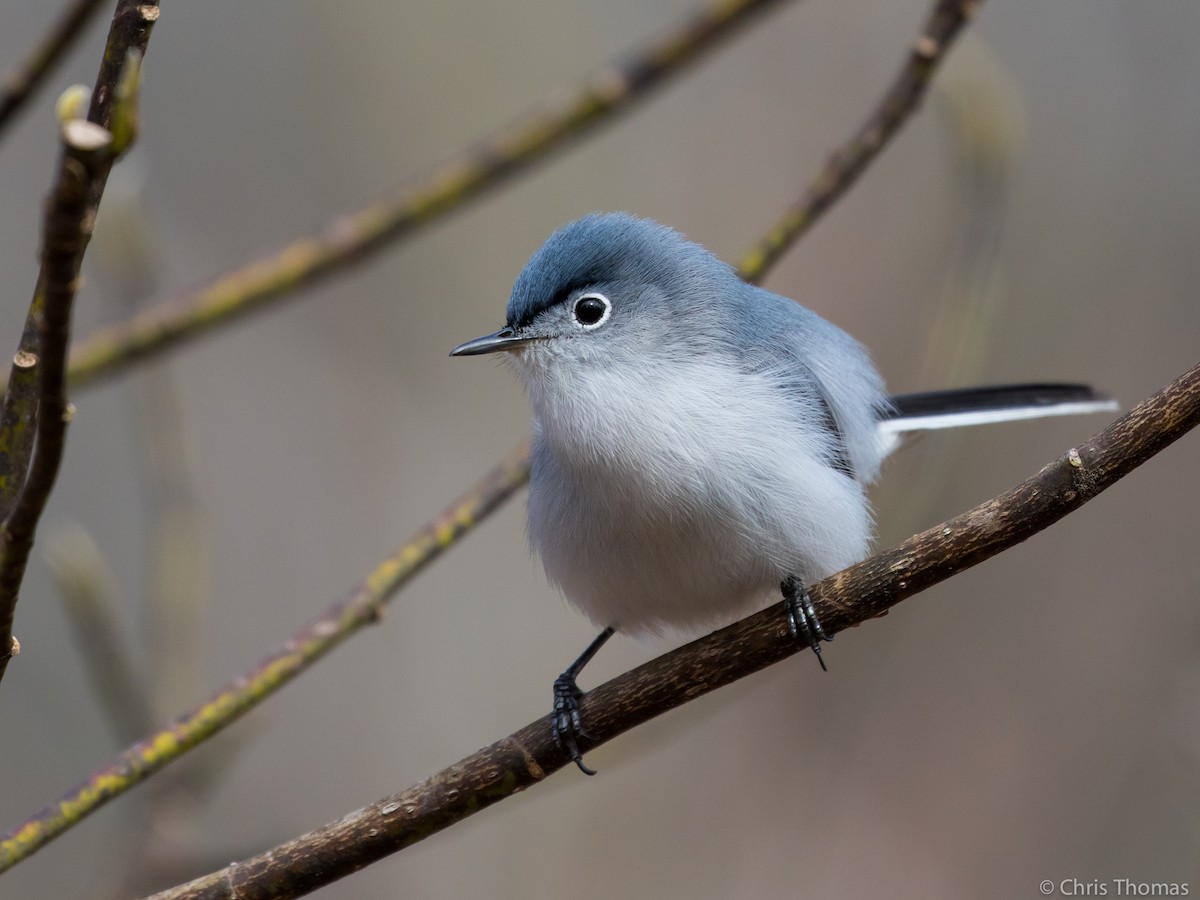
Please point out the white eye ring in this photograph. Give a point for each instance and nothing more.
(585, 308)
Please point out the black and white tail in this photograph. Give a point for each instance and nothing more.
(983, 405)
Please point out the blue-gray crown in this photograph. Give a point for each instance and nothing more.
(605, 248)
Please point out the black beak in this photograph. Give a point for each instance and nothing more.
(504, 339)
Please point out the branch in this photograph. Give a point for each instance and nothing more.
(68, 227)
(20, 84)
(848, 162)
(851, 597)
(70, 215)
(352, 237)
(130, 31)
(364, 606)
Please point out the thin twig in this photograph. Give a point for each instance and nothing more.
(21, 83)
(364, 606)
(67, 229)
(352, 237)
(847, 163)
(851, 597)
(69, 218)
(130, 31)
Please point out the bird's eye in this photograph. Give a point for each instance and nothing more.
(592, 310)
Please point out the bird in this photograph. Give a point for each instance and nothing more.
(700, 444)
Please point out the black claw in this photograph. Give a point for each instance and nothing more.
(802, 618)
(566, 723)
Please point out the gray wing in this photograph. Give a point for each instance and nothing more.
(833, 375)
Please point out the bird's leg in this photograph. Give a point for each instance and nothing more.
(565, 722)
(802, 619)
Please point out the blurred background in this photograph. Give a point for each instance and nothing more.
(1036, 718)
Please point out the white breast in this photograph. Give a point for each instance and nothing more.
(681, 497)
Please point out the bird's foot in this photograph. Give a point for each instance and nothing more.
(566, 724)
(802, 619)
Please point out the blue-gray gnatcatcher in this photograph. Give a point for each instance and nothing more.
(700, 442)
